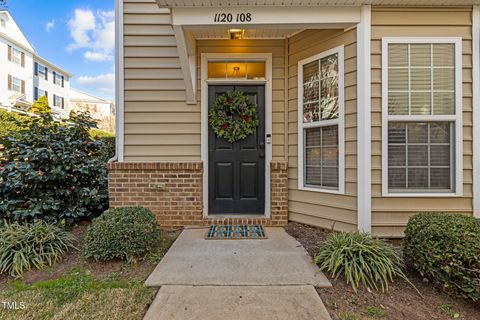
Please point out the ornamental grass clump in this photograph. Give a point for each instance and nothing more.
(360, 259)
(36, 245)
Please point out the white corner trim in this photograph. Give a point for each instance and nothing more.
(457, 117)
(476, 109)
(119, 82)
(204, 82)
(364, 143)
(339, 121)
(186, 53)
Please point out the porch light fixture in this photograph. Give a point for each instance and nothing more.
(236, 34)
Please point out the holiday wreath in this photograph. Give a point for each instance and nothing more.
(233, 116)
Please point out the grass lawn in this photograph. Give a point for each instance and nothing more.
(80, 289)
(401, 302)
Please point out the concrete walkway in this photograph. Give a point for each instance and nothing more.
(237, 279)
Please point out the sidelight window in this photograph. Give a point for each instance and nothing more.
(320, 122)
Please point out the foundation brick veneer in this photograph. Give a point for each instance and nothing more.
(180, 203)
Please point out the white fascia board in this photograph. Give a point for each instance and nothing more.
(261, 16)
(364, 144)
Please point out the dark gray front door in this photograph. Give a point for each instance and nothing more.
(236, 171)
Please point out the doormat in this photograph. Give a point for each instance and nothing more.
(236, 232)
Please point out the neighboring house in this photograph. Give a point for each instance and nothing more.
(103, 111)
(25, 76)
(368, 113)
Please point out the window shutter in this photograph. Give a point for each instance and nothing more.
(9, 82)
(63, 103)
(63, 80)
(35, 94)
(54, 99)
(36, 69)
(23, 59)
(22, 89)
(54, 77)
(9, 53)
(46, 94)
(46, 73)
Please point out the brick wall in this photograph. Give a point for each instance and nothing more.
(279, 193)
(173, 191)
(179, 204)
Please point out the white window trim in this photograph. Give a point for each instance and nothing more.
(340, 121)
(15, 85)
(458, 171)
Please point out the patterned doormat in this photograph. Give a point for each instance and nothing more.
(236, 232)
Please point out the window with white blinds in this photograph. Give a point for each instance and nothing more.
(320, 122)
(421, 121)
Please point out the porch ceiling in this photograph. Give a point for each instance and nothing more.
(257, 33)
(220, 3)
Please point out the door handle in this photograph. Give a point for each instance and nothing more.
(262, 145)
(261, 154)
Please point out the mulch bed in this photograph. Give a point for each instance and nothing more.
(401, 302)
(73, 259)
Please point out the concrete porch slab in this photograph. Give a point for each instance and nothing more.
(278, 260)
(239, 303)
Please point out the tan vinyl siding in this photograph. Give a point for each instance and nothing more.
(389, 214)
(316, 208)
(159, 125)
(277, 49)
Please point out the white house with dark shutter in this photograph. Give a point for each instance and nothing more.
(25, 76)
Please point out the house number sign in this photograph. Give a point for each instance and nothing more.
(226, 17)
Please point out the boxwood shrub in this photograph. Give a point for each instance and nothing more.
(445, 248)
(122, 233)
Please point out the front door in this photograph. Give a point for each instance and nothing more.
(236, 171)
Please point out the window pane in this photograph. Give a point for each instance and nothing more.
(417, 132)
(440, 155)
(440, 178)
(444, 55)
(311, 112)
(420, 79)
(256, 70)
(398, 79)
(397, 178)
(329, 66)
(396, 132)
(310, 72)
(397, 55)
(420, 55)
(444, 103)
(440, 132)
(421, 103)
(396, 155)
(417, 178)
(321, 156)
(444, 79)
(398, 103)
(418, 155)
(311, 86)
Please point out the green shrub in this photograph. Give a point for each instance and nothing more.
(12, 122)
(445, 249)
(122, 233)
(35, 245)
(360, 259)
(53, 171)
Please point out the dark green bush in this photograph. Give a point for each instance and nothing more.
(445, 248)
(122, 233)
(36, 245)
(360, 259)
(53, 171)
